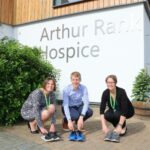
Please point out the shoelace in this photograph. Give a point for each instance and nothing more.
(79, 133)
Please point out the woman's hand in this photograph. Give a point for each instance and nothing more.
(43, 130)
(118, 129)
(105, 129)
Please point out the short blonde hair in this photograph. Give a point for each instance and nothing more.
(76, 74)
(114, 77)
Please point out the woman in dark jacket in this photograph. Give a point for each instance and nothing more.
(40, 107)
(119, 109)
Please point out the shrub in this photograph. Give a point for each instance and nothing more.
(22, 69)
(141, 86)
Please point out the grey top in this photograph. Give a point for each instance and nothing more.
(36, 103)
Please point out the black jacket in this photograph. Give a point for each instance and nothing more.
(125, 106)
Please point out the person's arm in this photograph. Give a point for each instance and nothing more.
(53, 101)
(104, 125)
(36, 106)
(53, 123)
(122, 120)
(118, 128)
(85, 100)
(66, 105)
(124, 108)
(124, 103)
(103, 102)
(102, 109)
(66, 110)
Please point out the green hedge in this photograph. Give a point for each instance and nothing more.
(22, 69)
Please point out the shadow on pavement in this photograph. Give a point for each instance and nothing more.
(134, 128)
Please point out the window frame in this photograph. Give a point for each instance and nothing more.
(65, 4)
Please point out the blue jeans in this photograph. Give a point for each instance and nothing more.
(75, 112)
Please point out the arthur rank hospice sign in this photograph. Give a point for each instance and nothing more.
(68, 51)
(81, 41)
(95, 44)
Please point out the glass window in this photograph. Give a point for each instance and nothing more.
(64, 2)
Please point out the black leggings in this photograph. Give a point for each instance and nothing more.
(113, 117)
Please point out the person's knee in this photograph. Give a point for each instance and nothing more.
(117, 115)
(75, 117)
(108, 115)
(89, 113)
(51, 109)
(45, 115)
(48, 112)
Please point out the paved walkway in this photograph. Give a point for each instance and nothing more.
(137, 138)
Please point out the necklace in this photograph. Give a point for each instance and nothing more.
(112, 102)
(47, 100)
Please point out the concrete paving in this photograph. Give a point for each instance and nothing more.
(18, 137)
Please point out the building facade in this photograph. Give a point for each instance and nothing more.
(95, 37)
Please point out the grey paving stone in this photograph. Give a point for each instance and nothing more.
(137, 138)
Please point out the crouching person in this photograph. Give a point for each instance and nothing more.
(119, 109)
(75, 107)
(40, 107)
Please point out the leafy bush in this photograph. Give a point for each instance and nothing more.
(22, 69)
(141, 86)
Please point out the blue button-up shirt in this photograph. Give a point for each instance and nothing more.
(76, 97)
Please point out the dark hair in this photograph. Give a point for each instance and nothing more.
(76, 74)
(47, 80)
(114, 77)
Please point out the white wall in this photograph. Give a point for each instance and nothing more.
(147, 40)
(6, 30)
(110, 41)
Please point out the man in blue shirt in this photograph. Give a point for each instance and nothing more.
(76, 106)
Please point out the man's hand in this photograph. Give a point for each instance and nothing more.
(80, 123)
(70, 125)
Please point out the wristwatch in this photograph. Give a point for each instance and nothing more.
(82, 115)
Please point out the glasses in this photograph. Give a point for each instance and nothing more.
(110, 82)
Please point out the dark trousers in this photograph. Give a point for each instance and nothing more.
(75, 112)
(113, 117)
